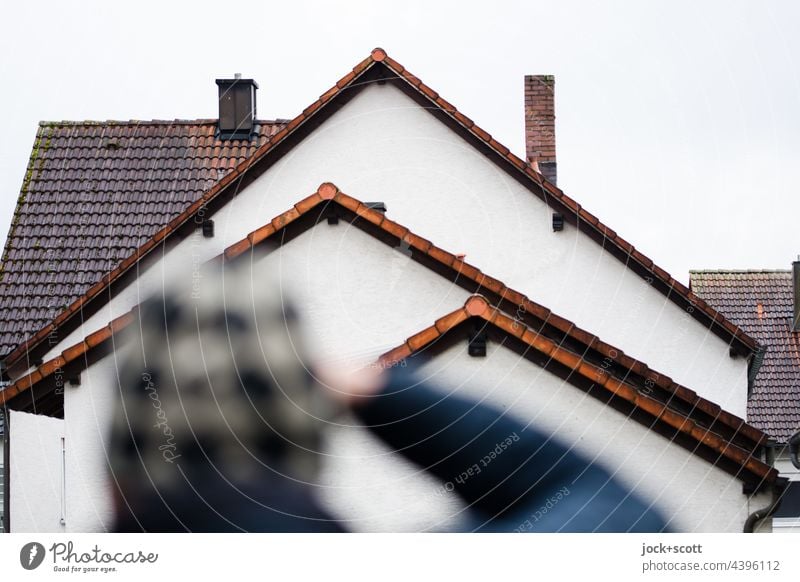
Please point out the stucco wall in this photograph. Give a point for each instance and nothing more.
(382, 146)
(783, 463)
(36, 474)
(88, 410)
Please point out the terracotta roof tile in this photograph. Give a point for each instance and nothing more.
(745, 459)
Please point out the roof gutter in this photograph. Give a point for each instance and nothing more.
(755, 518)
(754, 366)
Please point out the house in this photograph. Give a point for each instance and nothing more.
(766, 305)
(407, 231)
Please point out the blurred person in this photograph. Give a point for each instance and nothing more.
(220, 417)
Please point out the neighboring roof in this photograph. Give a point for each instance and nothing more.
(741, 461)
(774, 404)
(379, 67)
(93, 193)
(642, 387)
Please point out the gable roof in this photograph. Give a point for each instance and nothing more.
(93, 193)
(761, 303)
(379, 67)
(551, 334)
(742, 461)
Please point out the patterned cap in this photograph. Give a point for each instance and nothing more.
(215, 380)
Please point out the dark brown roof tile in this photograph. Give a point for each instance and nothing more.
(774, 404)
(105, 188)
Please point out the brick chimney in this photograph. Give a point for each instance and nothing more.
(540, 124)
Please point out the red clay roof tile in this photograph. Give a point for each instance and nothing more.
(477, 306)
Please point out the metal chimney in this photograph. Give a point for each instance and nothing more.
(237, 108)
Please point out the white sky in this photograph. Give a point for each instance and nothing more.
(678, 123)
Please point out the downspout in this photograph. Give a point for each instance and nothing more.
(6, 470)
(761, 514)
(794, 446)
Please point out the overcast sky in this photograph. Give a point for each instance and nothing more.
(678, 123)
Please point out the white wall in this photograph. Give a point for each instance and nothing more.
(2, 484)
(783, 463)
(382, 146)
(88, 410)
(360, 296)
(36, 475)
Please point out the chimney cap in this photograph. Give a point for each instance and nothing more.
(238, 79)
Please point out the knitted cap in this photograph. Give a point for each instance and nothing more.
(215, 380)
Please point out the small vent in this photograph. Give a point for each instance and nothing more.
(558, 222)
(208, 228)
(477, 344)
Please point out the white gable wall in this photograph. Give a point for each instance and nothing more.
(383, 147)
(36, 473)
(88, 411)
